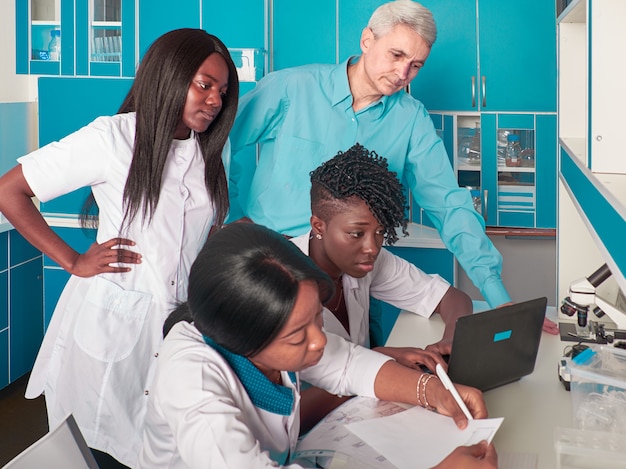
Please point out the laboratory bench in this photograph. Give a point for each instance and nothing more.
(533, 407)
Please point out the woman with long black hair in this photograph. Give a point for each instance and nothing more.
(156, 171)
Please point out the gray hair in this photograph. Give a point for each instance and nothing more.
(407, 12)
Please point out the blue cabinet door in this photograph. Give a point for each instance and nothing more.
(4, 358)
(218, 18)
(353, 16)
(55, 277)
(516, 69)
(55, 280)
(4, 311)
(78, 46)
(450, 79)
(26, 331)
(517, 55)
(33, 38)
(157, 17)
(4, 300)
(431, 261)
(525, 199)
(303, 33)
(62, 111)
(546, 170)
(444, 125)
(106, 48)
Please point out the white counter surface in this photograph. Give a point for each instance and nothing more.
(532, 407)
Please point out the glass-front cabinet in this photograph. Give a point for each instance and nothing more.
(75, 38)
(105, 31)
(507, 163)
(39, 39)
(468, 157)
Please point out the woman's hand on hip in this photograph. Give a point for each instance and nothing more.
(105, 258)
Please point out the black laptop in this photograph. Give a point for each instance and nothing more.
(498, 346)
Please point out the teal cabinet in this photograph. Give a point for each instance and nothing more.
(4, 357)
(352, 17)
(4, 299)
(479, 89)
(430, 260)
(490, 56)
(55, 277)
(519, 195)
(26, 331)
(22, 298)
(290, 45)
(444, 126)
(4, 251)
(517, 43)
(59, 96)
(217, 19)
(55, 280)
(450, 78)
(4, 310)
(157, 17)
(97, 37)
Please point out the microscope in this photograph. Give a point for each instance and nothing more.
(582, 298)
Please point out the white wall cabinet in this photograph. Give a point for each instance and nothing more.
(592, 164)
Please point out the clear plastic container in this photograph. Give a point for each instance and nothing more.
(513, 151)
(598, 389)
(586, 449)
(54, 46)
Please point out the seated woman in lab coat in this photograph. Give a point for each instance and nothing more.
(226, 390)
(356, 205)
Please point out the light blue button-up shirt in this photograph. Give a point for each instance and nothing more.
(303, 116)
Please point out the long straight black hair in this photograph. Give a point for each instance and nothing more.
(243, 287)
(158, 97)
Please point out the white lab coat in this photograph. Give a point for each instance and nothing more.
(97, 359)
(200, 415)
(393, 280)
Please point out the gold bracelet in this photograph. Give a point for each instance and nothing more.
(417, 389)
(426, 404)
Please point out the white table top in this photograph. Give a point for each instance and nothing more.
(532, 407)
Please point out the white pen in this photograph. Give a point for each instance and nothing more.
(447, 383)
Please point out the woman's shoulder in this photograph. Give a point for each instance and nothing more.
(184, 342)
(118, 123)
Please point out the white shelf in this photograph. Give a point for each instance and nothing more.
(592, 190)
(468, 167)
(502, 168)
(576, 147)
(598, 201)
(106, 24)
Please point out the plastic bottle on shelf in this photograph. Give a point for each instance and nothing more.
(54, 46)
(513, 150)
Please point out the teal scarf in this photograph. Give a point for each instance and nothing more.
(263, 393)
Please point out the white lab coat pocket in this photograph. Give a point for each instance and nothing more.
(110, 322)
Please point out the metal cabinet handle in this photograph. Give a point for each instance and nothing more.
(485, 204)
(473, 91)
(484, 80)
